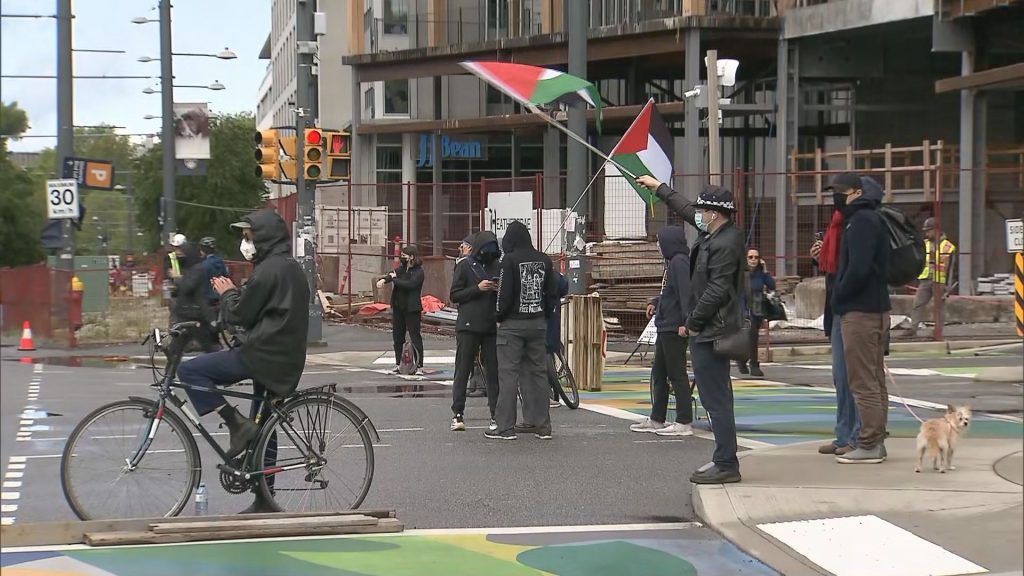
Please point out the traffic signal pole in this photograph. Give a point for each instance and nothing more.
(305, 117)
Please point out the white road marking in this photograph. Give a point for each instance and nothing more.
(627, 415)
(12, 484)
(6, 520)
(10, 495)
(13, 474)
(27, 422)
(17, 466)
(9, 508)
(427, 360)
(18, 459)
(867, 546)
(37, 369)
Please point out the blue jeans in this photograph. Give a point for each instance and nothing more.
(209, 371)
(847, 420)
(711, 372)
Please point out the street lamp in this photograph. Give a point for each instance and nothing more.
(225, 54)
(215, 86)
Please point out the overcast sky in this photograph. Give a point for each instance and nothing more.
(28, 46)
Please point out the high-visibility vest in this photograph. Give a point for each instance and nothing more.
(174, 263)
(936, 271)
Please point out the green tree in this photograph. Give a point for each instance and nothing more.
(207, 205)
(20, 217)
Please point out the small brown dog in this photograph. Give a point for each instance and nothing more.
(939, 436)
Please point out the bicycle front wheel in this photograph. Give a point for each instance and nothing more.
(97, 481)
(319, 457)
(566, 382)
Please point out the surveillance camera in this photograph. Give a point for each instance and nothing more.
(692, 93)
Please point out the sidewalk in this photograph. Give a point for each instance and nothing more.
(793, 511)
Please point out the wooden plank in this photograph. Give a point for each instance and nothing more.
(389, 525)
(818, 184)
(247, 524)
(888, 172)
(926, 164)
(994, 76)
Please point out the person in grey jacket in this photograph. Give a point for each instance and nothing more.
(714, 312)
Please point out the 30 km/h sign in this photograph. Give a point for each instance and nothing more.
(61, 199)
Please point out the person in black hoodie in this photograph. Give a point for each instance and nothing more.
(406, 308)
(860, 299)
(526, 287)
(714, 312)
(191, 302)
(670, 347)
(474, 289)
(273, 310)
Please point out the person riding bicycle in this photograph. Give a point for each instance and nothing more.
(190, 302)
(272, 308)
(214, 266)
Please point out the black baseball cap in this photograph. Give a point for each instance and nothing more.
(845, 181)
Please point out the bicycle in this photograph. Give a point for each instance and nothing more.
(565, 382)
(154, 471)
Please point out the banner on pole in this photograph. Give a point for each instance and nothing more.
(191, 131)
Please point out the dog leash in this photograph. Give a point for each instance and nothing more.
(892, 383)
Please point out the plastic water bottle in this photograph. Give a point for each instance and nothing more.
(202, 501)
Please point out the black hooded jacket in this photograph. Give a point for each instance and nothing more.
(477, 307)
(860, 283)
(190, 301)
(272, 307)
(527, 282)
(407, 288)
(675, 290)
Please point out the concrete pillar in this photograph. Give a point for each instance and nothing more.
(967, 162)
(693, 156)
(783, 137)
(552, 168)
(410, 144)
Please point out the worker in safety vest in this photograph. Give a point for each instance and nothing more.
(934, 278)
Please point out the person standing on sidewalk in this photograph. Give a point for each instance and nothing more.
(526, 287)
(406, 307)
(933, 283)
(861, 300)
(474, 289)
(716, 269)
(826, 253)
(758, 282)
(670, 347)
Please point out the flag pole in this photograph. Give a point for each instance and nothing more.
(576, 137)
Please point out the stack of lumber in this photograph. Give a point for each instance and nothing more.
(786, 284)
(169, 530)
(627, 275)
(584, 333)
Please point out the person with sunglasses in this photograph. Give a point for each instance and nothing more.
(758, 282)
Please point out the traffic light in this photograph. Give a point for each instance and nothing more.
(313, 152)
(267, 155)
(339, 157)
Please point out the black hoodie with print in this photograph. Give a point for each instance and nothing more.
(272, 307)
(476, 307)
(527, 282)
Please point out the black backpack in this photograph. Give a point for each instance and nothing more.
(906, 246)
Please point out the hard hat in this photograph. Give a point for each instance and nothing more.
(208, 243)
(76, 284)
(178, 240)
(929, 224)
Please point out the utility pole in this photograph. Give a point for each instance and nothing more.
(305, 117)
(714, 147)
(65, 111)
(577, 25)
(167, 121)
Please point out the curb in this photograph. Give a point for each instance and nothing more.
(946, 347)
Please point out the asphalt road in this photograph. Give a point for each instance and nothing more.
(594, 471)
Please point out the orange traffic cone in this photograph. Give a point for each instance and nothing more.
(26, 338)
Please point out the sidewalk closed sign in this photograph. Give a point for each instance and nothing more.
(61, 199)
(1015, 235)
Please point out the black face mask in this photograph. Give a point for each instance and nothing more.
(839, 199)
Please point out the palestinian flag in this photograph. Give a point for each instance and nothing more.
(534, 86)
(646, 148)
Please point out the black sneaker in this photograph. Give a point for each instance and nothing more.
(495, 435)
(742, 367)
(715, 475)
(458, 425)
(543, 435)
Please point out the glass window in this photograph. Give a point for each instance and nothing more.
(396, 97)
(395, 17)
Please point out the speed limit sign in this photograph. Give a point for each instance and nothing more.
(61, 199)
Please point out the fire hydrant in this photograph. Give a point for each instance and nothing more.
(75, 308)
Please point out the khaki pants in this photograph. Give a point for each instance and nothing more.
(864, 348)
(926, 291)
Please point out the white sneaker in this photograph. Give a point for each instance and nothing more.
(394, 370)
(647, 425)
(554, 404)
(493, 426)
(419, 372)
(675, 429)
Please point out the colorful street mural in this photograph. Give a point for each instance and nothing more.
(777, 413)
(691, 551)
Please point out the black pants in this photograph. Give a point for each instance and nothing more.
(670, 366)
(755, 334)
(467, 345)
(711, 372)
(402, 322)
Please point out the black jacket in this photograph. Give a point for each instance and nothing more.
(527, 283)
(272, 307)
(407, 287)
(860, 283)
(191, 302)
(675, 290)
(476, 307)
(716, 274)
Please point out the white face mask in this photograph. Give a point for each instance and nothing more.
(248, 249)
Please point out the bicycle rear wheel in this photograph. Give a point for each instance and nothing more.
(566, 382)
(94, 472)
(320, 456)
